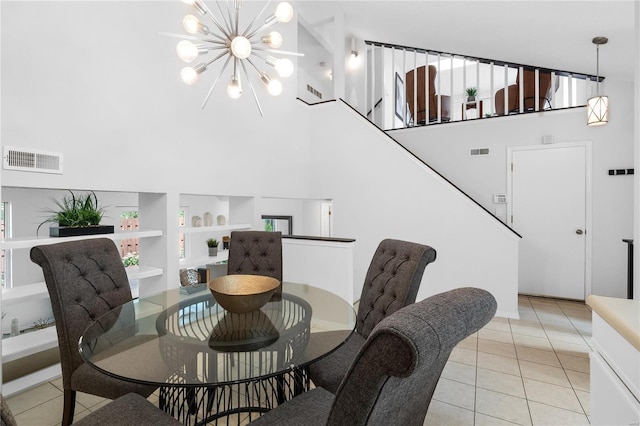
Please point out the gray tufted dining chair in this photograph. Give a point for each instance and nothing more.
(128, 410)
(256, 253)
(394, 375)
(85, 279)
(391, 283)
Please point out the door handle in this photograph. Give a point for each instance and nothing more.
(579, 231)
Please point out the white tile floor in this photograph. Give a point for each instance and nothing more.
(531, 371)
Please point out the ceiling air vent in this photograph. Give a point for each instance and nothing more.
(32, 160)
(474, 152)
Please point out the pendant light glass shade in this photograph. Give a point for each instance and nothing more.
(598, 111)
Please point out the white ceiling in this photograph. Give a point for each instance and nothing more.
(550, 34)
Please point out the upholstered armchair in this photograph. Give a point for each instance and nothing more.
(392, 282)
(528, 92)
(420, 114)
(393, 377)
(85, 279)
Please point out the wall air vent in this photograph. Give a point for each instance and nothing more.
(31, 160)
(315, 92)
(478, 152)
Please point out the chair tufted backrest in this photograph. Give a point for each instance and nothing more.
(85, 279)
(395, 373)
(392, 281)
(256, 253)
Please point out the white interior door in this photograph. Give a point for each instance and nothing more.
(549, 210)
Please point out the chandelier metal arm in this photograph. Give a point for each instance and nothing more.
(267, 24)
(217, 24)
(254, 65)
(203, 9)
(255, 97)
(215, 83)
(187, 37)
(280, 52)
(244, 34)
(228, 21)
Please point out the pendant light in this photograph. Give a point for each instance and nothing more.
(598, 106)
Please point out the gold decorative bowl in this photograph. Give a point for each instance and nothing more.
(243, 293)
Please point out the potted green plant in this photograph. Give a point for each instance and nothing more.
(212, 243)
(471, 94)
(77, 215)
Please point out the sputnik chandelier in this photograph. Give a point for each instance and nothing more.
(226, 39)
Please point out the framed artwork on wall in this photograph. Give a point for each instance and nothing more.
(399, 104)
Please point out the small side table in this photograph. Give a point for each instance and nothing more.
(471, 105)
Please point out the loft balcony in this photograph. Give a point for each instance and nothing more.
(409, 87)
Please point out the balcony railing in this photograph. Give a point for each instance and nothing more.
(408, 86)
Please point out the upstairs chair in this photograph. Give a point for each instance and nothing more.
(391, 283)
(528, 91)
(256, 253)
(85, 279)
(419, 116)
(128, 410)
(394, 375)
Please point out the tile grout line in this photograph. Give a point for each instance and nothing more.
(524, 389)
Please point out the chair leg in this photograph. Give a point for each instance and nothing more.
(69, 407)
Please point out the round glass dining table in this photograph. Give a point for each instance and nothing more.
(210, 363)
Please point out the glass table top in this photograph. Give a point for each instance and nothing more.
(190, 340)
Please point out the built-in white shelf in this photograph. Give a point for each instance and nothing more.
(30, 292)
(28, 242)
(216, 228)
(29, 343)
(24, 293)
(31, 380)
(40, 340)
(143, 271)
(192, 262)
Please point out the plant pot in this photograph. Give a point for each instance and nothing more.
(71, 231)
(213, 251)
(471, 98)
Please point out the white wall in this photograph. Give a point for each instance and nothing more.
(106, 93)
(636, 91)
(446, 149)
(380, 191)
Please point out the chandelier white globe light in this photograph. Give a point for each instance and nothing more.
(227, 40)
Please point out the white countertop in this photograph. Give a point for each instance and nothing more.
(622, 315)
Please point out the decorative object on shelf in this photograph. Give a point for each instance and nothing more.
(131, 259)
(243, 293)
(221, 220)
(225, 242)
(196, 221)
(598, 106)
(471, 93)
(226, 39)
(212, 243)
(42, 324)
(208, 219)
(15, 327)
(189, 277)
(77, 215)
